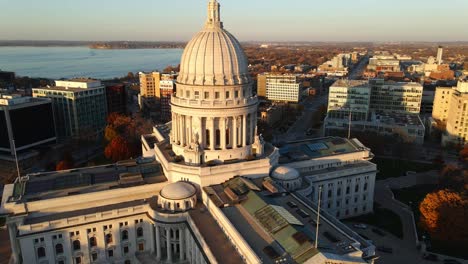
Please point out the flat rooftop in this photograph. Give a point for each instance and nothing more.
(350, 83)
(123, 174)
(318, 148)
(277, 225)
(396, 119)
(66, 89)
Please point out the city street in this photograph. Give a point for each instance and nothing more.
(304, 122)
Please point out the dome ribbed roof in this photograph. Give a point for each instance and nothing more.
(285, 173)
(213, 56)
(178, 191)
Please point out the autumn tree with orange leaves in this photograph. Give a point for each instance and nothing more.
(123, 136)
(443, 215)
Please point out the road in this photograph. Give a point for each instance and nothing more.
(304, 122)
(356, 73)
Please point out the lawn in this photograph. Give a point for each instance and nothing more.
(382, 218)
(396, 168)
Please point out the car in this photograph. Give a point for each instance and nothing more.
(385, 249)
(409, 173)
(378, 231)
(292, 204)
(360, 226)
(451, 261)
(430, 256)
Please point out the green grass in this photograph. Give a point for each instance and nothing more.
(396, 168)
(383, 219)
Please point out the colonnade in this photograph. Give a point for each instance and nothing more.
(214, 133)
(175, 244)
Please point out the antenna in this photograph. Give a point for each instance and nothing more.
(318, 217)
(16, 160)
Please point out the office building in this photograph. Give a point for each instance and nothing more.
(349, 98)
(387, 108)
(29, 122)
(167, 88)
(386, 63)
(80, 107)
(442, 100)
(116, 97)
(440, 52)
(395, 97)
(210, 190)
(280, 88)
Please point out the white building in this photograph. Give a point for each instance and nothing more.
(282, 88)
(205, 177)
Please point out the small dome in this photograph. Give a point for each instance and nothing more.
(284, 173)
(178, 191)
(214, 56)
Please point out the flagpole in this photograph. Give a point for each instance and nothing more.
(16, 160)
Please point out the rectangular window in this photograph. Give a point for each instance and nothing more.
(227, 95)
(110, 253)
(207, 95)
(216, 95)
(187, 94)
(197, 95)
(141, 247)
(236, 94)
(126, 249)
(94, 256)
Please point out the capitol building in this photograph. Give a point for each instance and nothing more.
(208, 188)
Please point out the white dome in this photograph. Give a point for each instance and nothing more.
(284, 173)
(178, 191)
(213, 56)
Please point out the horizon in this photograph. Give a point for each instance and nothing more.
(178, 21)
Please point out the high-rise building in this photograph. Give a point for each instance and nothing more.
(80, 107)
(440, 52)
(116, 97)
(281, 88)
(395, 97)
(457, 114)
(149, 84)
(442, 100)
(210, 189)
(27, 121)
(349, 98)
(167, 88)
(389, 108)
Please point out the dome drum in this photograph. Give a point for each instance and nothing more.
(177, 197)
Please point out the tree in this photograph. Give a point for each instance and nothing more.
(118, 149)
(464, 153)
(443, 215)
(63, 165)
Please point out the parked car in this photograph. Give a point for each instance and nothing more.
(302, 213)
(385, 249)
(378, 231)
(430, 256)
(409, 173)
(360, 226)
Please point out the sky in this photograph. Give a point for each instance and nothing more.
(248, 20)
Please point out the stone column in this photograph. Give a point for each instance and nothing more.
(175, 131)
(222, 132)
(181, 244)
(212, 134)
(202, 134)
(244, 130)
(234, 128)
(158, 243)
(168, 240)
(14, 249)
(190, 129)
(182, 130)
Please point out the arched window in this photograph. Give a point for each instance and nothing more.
(228, 135)
(109, 238)
(58, 249)
(41, 252)
(93, 242)
(140, 232)
(124, 235)
(76, 245)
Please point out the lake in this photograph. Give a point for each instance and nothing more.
(68, 62)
